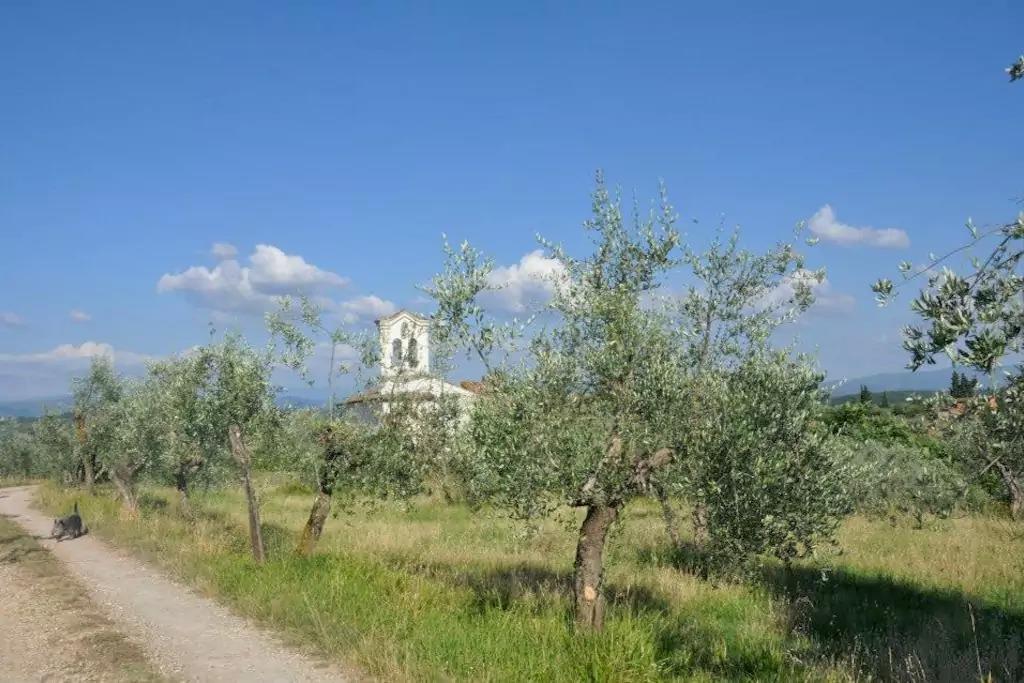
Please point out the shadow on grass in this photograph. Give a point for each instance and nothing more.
(883, 626)
(899, 631)
(684, 643)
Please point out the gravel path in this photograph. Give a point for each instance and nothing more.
(49, 629)
(187, 637)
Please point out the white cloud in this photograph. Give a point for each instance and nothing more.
(531, 280)
(49, 373)
(275, 271)
(368, 307)
(254, 288)
(8, 319)
(823, 224)
(223, 250)
(827, 301)
(70, 352)
(79, 316)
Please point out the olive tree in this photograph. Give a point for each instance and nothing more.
(773, 482)
(989, 436)
(93, 396)
(735, 300)
(138, 437)
(192, 438)
(333, 442)
(56, 455)
(615, 393)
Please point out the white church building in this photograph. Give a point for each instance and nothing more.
(405, 368)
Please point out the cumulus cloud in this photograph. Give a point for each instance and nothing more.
(79, 316)
(368, 307)
(70, 352)
(824, 224)
(8, 319)
(49, 373)
(531, 280)
(230, 286)
(827, 301)
(223, 250)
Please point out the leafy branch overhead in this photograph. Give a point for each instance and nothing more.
(976, 317)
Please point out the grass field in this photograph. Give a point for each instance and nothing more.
(437, 592)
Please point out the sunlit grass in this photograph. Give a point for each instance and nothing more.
(435, 591)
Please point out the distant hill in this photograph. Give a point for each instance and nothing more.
(895, 397)
(35, 407)
(922, 381)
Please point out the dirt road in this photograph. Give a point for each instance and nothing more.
(184, 636)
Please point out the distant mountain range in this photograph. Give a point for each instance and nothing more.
(903, 381)
(36, 407)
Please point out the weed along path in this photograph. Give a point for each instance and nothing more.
(186, 637)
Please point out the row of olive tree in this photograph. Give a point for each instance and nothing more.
(619, 387)
(178, 422)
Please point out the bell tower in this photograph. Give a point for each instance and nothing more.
(404, 344)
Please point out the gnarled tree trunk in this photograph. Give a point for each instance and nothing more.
(315, 524)
(181, 484)
(80, 442)
(669, 513)
(240, 453)
(125, 486)
(700, 523)
(588, 571)
(322, 503)
(1013, 489)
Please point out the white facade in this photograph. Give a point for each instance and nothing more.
(405, 367)
(404, 344)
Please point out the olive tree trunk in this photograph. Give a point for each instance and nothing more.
(315, 524)
(240, 453)
(80, 443)
(588, 571)
(669, 513)
(125, 485)
(321, 504)
(181, 485)
(1013, 489)
(700, 523)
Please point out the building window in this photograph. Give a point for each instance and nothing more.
(396, 353)
(412, 357)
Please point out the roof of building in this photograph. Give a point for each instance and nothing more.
(402, 312)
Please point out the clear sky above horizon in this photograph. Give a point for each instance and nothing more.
(326, 147)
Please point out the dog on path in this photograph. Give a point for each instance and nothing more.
(68, 527)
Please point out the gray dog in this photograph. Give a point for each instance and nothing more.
(68, 527)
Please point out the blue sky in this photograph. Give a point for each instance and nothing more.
(346, 138)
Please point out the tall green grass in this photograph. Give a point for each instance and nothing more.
(439, 592)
